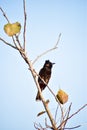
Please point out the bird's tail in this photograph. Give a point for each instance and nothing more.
(38, 97)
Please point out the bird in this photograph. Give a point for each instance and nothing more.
(45, 74)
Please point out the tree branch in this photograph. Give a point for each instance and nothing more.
(72, 127)
(25, 18)
(55, 47)
(17, 39)
(4, 15)
(67, 115)
(78, 111)
(8, 43)
(56, 112)
(73, 115)
(38, 87)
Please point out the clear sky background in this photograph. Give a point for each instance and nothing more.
(46, 19)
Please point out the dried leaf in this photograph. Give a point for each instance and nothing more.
(62, 96)
(12, 29)
(40, 113)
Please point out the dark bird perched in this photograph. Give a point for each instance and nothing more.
(45, 74)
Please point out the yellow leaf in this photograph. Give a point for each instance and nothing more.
(62, 96)
(12, 29)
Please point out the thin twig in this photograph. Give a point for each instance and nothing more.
(14, 42)
(78, 111)
(58, 40)
(8, 43)
(56, 112)
(55, 47)
(36, 126)
(69, 109)
(4, 15)
(72, 127)
(25, 18)
(39, 126)
(17, 39)
(73, 115)
(48, 126)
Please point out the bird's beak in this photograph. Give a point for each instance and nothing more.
(53, 63)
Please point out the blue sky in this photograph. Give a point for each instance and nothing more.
(45, 20)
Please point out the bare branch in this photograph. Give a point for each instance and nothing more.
(67, 115)
(39, 126)
(4, 15)
(14, 42)
(55, 47)
(78, 111)
(73, 115)
(8, 43)
(23, 54)
(36, 126)
(25, 18)
(68, 111)
(58, 40)
(56, 112)
(72, 127)
(17, 39)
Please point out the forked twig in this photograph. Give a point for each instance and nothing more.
(39, 126)
(77, 111)
(73, 115)
(55, 47)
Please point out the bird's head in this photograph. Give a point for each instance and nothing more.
(48, 64)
